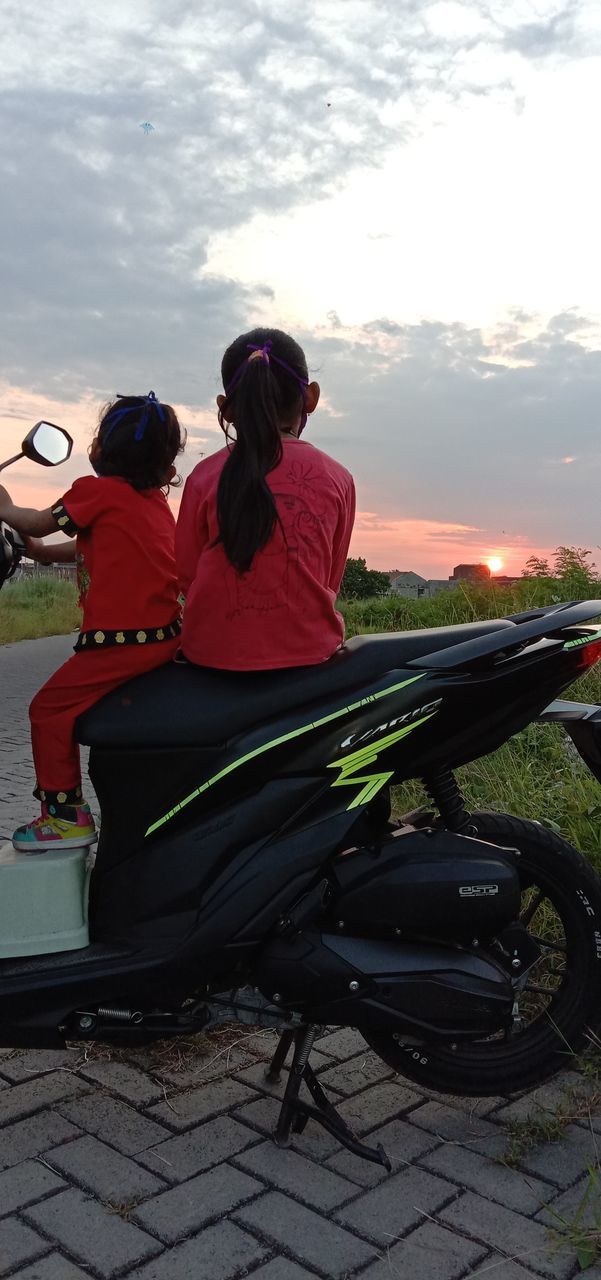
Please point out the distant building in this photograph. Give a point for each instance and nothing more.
(471, 573)
(403, 582)
(411, 586)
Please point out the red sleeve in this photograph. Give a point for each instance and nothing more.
(80, 506)
(342, 538)
(191, 535)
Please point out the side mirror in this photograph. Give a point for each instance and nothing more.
(47, 444)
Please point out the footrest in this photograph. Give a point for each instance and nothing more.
(43, 901)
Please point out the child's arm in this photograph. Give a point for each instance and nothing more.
(50, 552)
(25, 519)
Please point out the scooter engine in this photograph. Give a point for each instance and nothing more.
(427, 991)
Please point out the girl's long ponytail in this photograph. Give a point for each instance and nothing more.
(263, 397)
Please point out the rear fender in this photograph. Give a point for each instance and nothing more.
(582, 721)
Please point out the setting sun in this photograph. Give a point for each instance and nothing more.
(494, 563)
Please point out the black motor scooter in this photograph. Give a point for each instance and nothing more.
(255, 874)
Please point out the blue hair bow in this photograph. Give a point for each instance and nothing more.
(149, 402)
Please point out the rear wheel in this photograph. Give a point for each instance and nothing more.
(561, 1000)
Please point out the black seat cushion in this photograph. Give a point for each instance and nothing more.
(182, 705)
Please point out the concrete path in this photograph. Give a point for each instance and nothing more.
(158, 1164)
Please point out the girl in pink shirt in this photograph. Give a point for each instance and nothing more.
(265, 523)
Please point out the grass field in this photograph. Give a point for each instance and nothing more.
(537, 774)
(32, 607)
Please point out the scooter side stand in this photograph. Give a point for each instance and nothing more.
(295, 1112)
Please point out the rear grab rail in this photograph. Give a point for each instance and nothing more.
(539, 627)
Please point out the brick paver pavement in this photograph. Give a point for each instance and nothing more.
(158, 1164)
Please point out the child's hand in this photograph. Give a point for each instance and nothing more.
(36, 549)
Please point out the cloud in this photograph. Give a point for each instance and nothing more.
(552, 35)
(104, 231)
(448, 423)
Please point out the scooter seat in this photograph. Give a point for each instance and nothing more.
(180, 705)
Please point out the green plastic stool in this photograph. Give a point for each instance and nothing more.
(43, 901)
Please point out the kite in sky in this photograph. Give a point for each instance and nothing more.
(147, 127)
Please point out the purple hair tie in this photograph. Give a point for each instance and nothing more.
(150, 402)
(266, 354)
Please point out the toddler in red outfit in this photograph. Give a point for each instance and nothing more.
(125, 554)
(264, 526)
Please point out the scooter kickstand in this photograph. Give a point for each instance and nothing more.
(295, 1113)
(274, 1070)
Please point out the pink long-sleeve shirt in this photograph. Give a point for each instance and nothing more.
(282, 612)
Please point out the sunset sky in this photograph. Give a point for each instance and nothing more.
(411, 188)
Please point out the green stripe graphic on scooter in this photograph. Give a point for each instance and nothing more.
(277, 742)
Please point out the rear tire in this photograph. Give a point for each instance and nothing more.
(569, 918)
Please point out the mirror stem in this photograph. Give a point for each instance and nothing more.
(15, 459)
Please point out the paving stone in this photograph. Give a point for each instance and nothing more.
(398, 1205)
(345, 1043)
(18, 1244)
(126, 1080)
(521, 1239)
(454, 1127)
(183, 1110)
(517, 1190)
(190, 1153)
(26, 1064)
(472, 1107)
(358, 1073)
(496, 1267)
(53, 1267)
(312, 1239)
(430, 1253)
(591, 1121)
(565, 1161)
(377, 1106)
(283, 1269)
(96, 1167)
(33, 1136)
(95, 1237)
(114, 1121)
(293, 1173)
(546, 1098)
(402, 1143)
(581, 1199)
(185, 1209)
(25, 1183)
(33, 1095)
(219, 1253)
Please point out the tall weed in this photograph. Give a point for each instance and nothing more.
(41, 606)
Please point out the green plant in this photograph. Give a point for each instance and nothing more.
(39, 606)
(583, 1230)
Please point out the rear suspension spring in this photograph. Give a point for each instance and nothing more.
(443, 790)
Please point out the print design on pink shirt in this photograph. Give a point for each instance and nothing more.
(272, 581)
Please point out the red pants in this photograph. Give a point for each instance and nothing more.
(77, 685)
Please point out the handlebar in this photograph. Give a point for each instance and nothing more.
(11, 549)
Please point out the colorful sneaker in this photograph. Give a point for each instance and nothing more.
(72, 830)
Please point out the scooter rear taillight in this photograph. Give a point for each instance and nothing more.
(590, 654)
